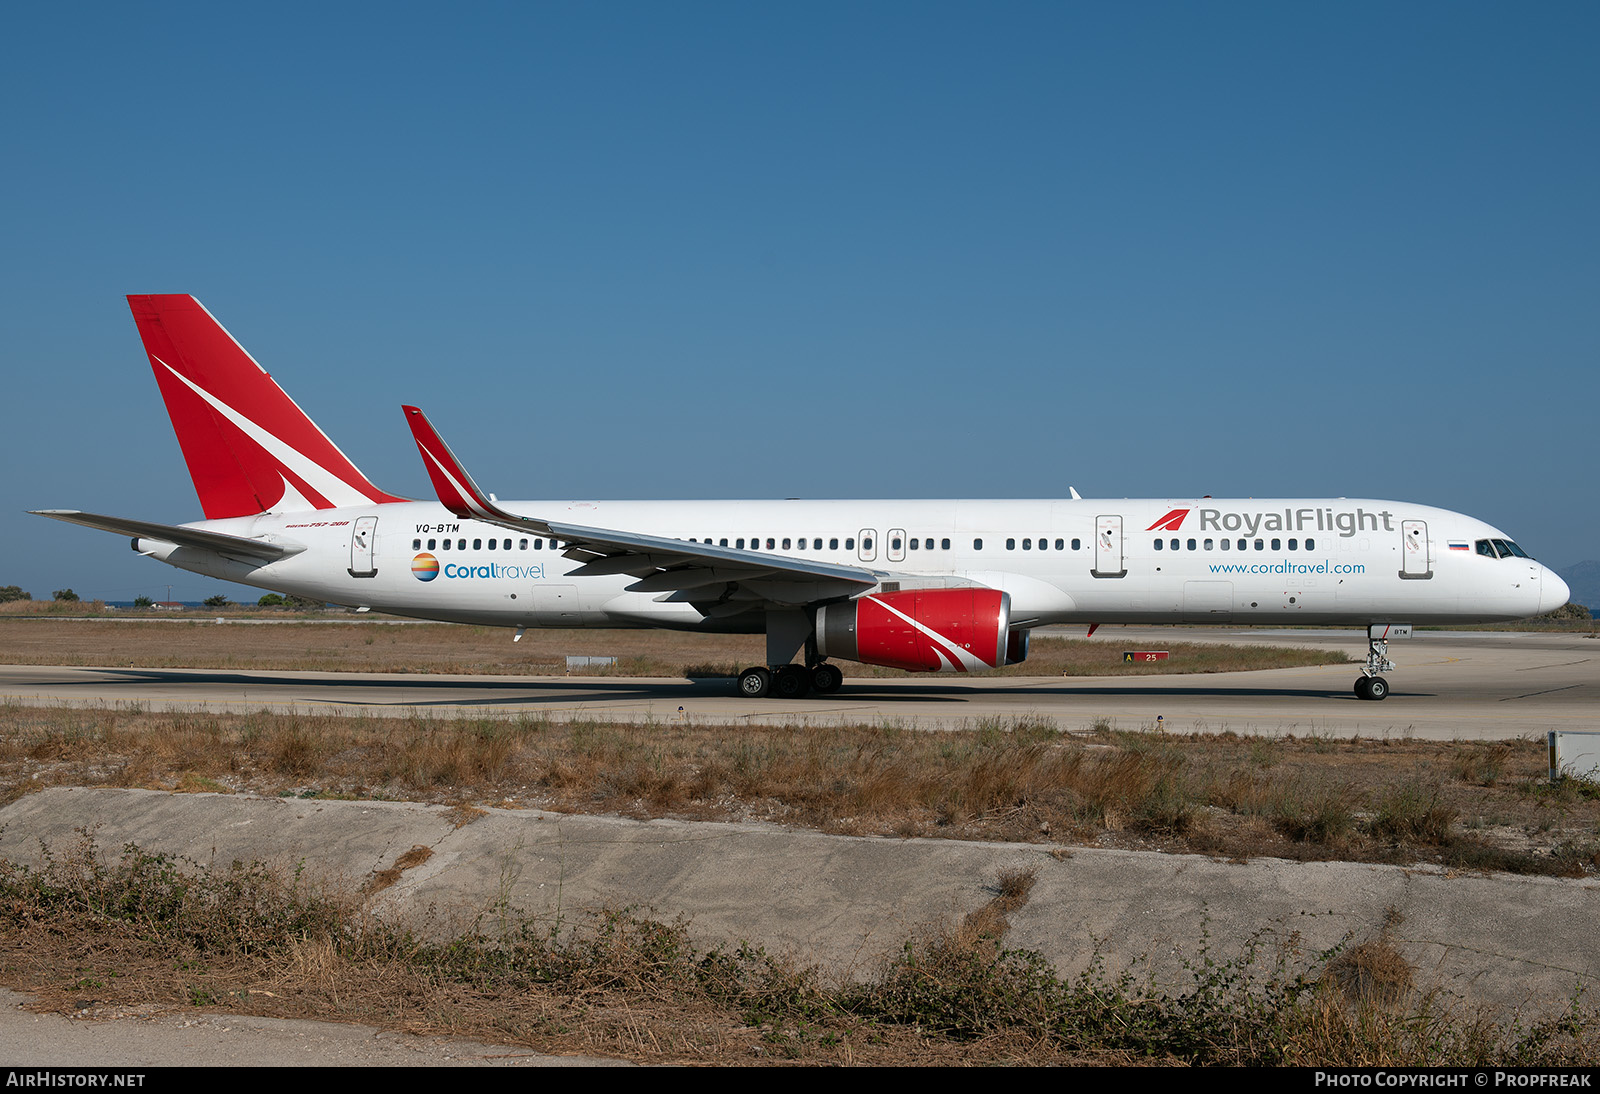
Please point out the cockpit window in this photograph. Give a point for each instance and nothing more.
(1501, 548)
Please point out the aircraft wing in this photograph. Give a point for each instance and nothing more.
(259, 551)
(730, 579)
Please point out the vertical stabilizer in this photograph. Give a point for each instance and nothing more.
(250, 449)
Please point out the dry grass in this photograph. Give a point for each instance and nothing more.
(448, 648)
(84, 932)
(1237, 797)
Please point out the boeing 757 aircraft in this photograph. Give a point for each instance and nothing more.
(938, 586)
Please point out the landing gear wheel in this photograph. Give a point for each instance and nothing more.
(755, 683)
(791, 682)
(1372, 687)
(825, 679)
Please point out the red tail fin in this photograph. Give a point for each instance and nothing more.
(250, 449)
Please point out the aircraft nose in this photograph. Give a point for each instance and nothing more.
(1553, 592)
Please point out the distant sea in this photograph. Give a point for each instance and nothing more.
(129, 603)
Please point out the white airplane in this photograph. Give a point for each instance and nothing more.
(919, 585)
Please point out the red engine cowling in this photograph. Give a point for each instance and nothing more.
(922, 630)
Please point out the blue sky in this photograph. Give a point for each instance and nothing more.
(825, 250)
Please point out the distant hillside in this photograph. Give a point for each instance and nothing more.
(1584, 579)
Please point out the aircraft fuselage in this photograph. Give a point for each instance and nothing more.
(1284, 561)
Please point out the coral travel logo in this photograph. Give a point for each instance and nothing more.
(425, 567)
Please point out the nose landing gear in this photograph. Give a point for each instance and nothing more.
(1370, 685)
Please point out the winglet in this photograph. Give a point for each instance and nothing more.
(457, 492)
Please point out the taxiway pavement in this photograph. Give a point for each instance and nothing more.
(1449, 685)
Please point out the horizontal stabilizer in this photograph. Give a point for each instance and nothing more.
(256, 550)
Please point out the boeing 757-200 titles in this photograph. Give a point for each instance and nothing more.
(943, 586)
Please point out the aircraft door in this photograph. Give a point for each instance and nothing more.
(1416, 553)
(895, 545)
(364, 548)
(556, 606)
(1108, 547)
(867, 545)
(1208, 601)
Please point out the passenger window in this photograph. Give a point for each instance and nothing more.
(1027, 545)
(850, 543)
(1060, 543)
(866, 545)
(522, 544)
(1011, 545)
(894, 544)
(1258, 545)
(1208, 544)
(1044, 544)
(785, 543)
(1311, 545)
(833, 543)
(416, 545)
(1277, 545)
(445, 545)
(723, 542)
(1244, 544)
(977, 545)
(739, 543)
(816, 544)
(944, 545)
(491, 545)
(1191, 545)
(477, 544)
(1077, 544)
(770, 543)
(1161, 545)
(915, 543)
(1294, 545)
(1227, 543)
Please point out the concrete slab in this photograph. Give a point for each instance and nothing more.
(844, 902)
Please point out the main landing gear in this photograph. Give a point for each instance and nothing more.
(1369, 685)
(790, 681)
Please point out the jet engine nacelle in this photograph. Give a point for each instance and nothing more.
(921, 630)
(1017, 647)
